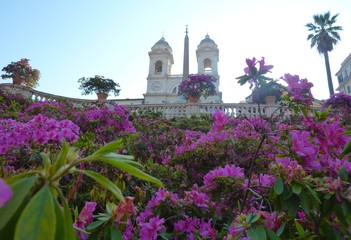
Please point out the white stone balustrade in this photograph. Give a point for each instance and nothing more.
(169, 110)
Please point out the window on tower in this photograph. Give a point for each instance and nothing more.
(208, 65)
(158, 66)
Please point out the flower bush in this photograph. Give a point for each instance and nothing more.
(23, 71)
(264, 177)
(268, 89)
(198, 85)
(98, 84)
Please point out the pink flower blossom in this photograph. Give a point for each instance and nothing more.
(85, 218)
(198, 198)
(220, 120)
(263, 67)
(5, 192)
(250, 65)
(150, 230)
(198, 85)
(227, 171)
(253, 73)
(86, 215)
(124, 208)
(299, 89)
(304, 148)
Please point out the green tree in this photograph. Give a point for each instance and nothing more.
(324, 36)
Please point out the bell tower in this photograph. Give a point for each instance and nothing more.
(207, 55)
(160, 65)
(162, 86)
(161, 58)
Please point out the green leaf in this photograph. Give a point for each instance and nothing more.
(168, 236)
(346, 209)
(300, 230)
(105, 183)
(70, 233)
(343, 174)
(332, 233)
(124, 166)
(328, 196)
(296, 188)
(346, 150)
(46, 161)
(258, 233)
(20, 189)
(116, 233)
(255, 218)
(337, 210)
(37, 221)
(248, 217)
(122, 158)
(293, 204)
(281, 229)
(61, 157)
(8, 231)
(272, 235)
(60, 221)
(104, 218)
(313, 193)
(125, 158)
(18, 177)
(304, 202)
(278, 186)
(94, 225)
(110, 147)
(110, 207)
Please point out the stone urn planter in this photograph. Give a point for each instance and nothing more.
(21, 73)
(196, 86)
(102, 96)
(193, 99)
(99, 85)
(270, 99)
(17, 80)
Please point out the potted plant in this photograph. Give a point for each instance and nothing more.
(100, 85)
(267, 93)
(22, 73)
(197, 85)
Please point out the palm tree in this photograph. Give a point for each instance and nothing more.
(324, 35)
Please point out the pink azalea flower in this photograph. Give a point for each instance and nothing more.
(149, 231)
(5, 192)
(85, 218)
(304, 148)
(86, 215)
(220, 120)
(250, 65)
(264, 67)
(299, 89)
(126, 207)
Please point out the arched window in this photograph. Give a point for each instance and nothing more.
(175, 90)
(207, 65)
(348, 89)
(158, 66)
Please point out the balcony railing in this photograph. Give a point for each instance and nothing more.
(169, 110)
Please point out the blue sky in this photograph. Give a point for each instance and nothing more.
(67, 40)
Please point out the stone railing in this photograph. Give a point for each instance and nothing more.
(169, 110)
(231, 109)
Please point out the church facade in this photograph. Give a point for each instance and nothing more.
(162, 85)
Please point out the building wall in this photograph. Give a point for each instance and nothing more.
(344, 76)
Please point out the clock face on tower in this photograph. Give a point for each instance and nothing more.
(156, 86)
